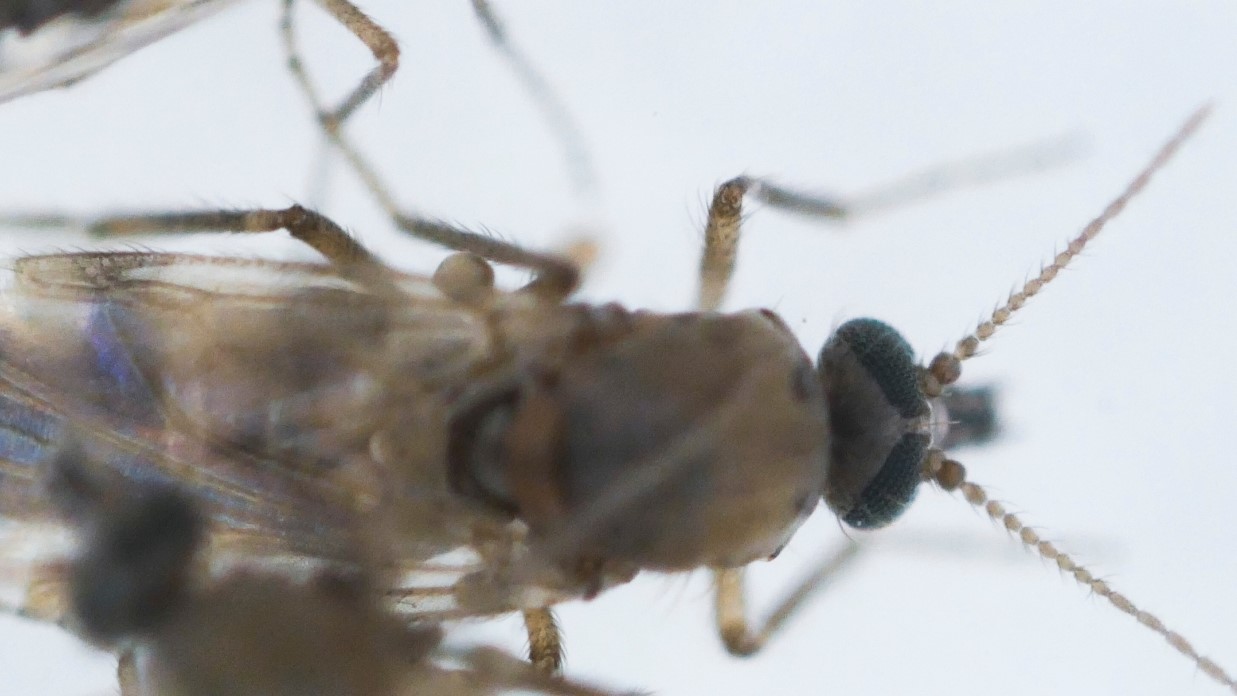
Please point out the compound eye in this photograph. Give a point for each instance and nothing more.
(878, 423)
(891, 491)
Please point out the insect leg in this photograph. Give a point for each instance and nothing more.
(579, 164)
(730, 605)
(722, 231)
(376, 39)
(319, 232)
(502, 673)
(545, 643)
(463, 276)
(557, 276)
(128, 674)
(725, 217)
(562, 125)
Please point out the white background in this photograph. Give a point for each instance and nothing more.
(1117, 383)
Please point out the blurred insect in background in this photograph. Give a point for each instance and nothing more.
(516, 448)
(132, 586)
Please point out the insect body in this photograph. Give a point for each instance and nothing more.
(239, 389)
(437, 413)
(133, 584)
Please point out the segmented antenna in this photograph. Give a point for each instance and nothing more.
(946, 367)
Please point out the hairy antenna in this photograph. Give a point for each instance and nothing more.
(946, 367)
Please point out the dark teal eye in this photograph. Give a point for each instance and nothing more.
(878, 423)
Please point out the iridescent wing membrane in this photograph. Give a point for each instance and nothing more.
(271, 393)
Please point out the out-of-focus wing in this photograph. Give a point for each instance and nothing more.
(255, 387)
(73, 39)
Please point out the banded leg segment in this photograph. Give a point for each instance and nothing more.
(724, 227)
(725, 217)
(545, 641)
(730, 603)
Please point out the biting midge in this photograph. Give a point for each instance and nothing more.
(586, 442)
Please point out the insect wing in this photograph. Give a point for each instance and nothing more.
(255, 387)
(78, 46)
